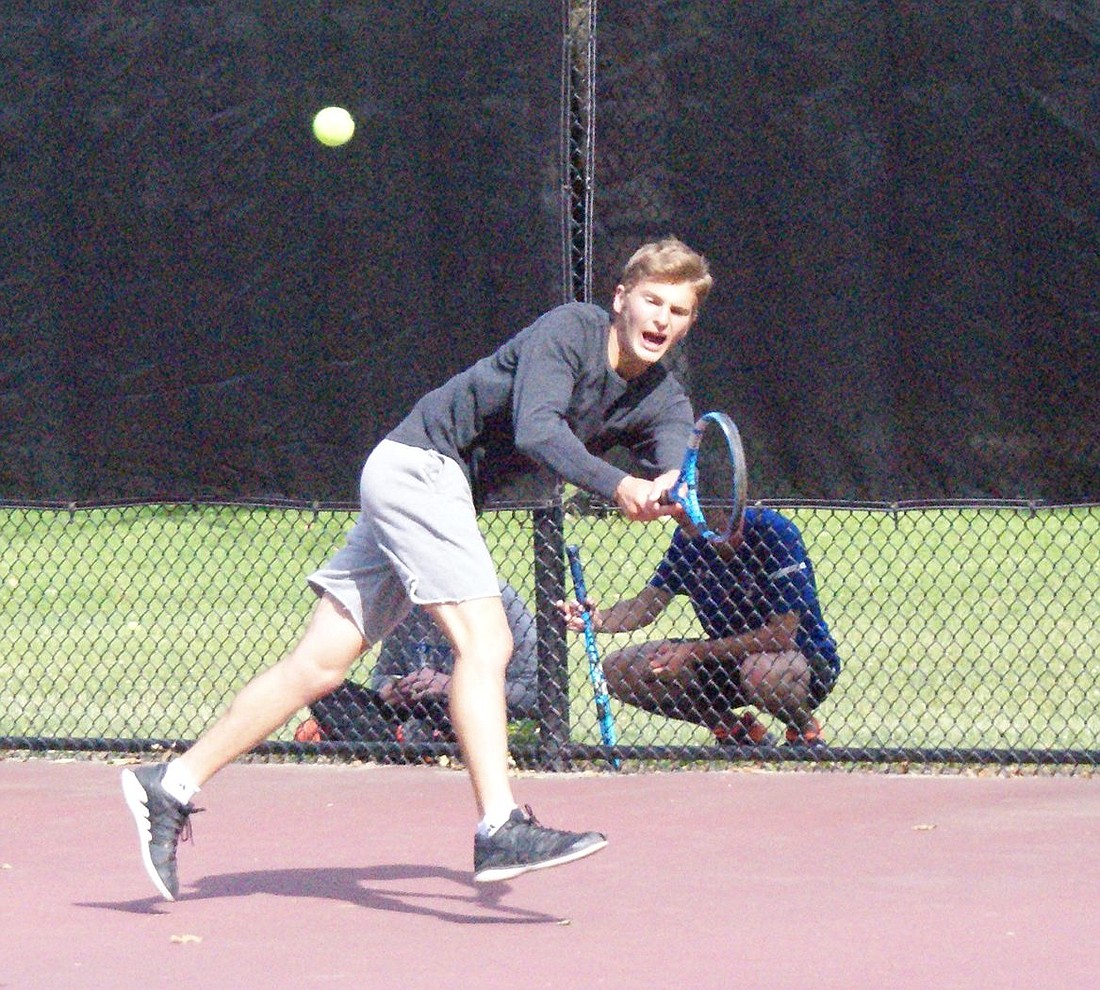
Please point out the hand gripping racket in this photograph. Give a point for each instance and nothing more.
(595, 664)
(725, 465)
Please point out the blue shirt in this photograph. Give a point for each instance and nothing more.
(770, 575)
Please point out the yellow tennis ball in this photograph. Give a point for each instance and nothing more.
(333, 126)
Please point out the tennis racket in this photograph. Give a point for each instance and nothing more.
(595, 664)
(715, 447)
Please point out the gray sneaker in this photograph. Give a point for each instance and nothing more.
(161, 822)
(522, 844)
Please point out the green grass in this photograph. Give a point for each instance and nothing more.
(141, 621)
(960, 628)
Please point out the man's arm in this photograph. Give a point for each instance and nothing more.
(561, 375)
(625, 615)
(774, 636)
(413, 651)
(558, 360)
(391, 664)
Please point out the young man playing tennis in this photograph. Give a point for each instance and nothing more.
(569, 387)
(766, 643)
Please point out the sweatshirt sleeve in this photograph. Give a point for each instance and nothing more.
(559, 374)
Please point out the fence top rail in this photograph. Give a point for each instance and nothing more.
(313, 505)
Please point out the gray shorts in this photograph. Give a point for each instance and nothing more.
(416, 541)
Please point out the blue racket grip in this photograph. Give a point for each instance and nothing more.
(573, 552)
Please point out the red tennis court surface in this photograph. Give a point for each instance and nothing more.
(354, 876)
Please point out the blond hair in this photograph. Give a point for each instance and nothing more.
(669, 260)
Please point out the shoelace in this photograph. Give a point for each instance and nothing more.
(185, 833)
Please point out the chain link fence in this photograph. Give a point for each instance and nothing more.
(967, 633)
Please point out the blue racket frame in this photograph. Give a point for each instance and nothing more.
(608, 734)
(686, 490)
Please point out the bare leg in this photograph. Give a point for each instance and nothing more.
(779, 683)
(478, 630)
(314, 667)
(630, 679)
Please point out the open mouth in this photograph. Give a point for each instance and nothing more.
(654, 341)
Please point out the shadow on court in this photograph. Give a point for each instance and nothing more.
(377, 888)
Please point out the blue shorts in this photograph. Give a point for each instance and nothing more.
(416, 540)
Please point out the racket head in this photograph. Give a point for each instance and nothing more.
(725, 460)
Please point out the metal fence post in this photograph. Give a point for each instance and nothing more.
(553, 650)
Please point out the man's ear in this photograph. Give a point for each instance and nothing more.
(617, 299)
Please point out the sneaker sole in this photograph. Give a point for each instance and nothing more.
(137, 801)
(496, 874)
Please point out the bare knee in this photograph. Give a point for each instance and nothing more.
(320, 661)
(479, 632)
(776, 682)
(314, 673)
(494, 648)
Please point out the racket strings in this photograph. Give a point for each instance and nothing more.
(717, 481)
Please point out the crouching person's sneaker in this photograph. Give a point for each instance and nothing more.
(161, 822)
(808, 735)
(748, 730)
(522, 844)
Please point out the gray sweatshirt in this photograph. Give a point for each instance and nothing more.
(548, 398)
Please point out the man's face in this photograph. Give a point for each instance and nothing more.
(649, 319)
(718, 519)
